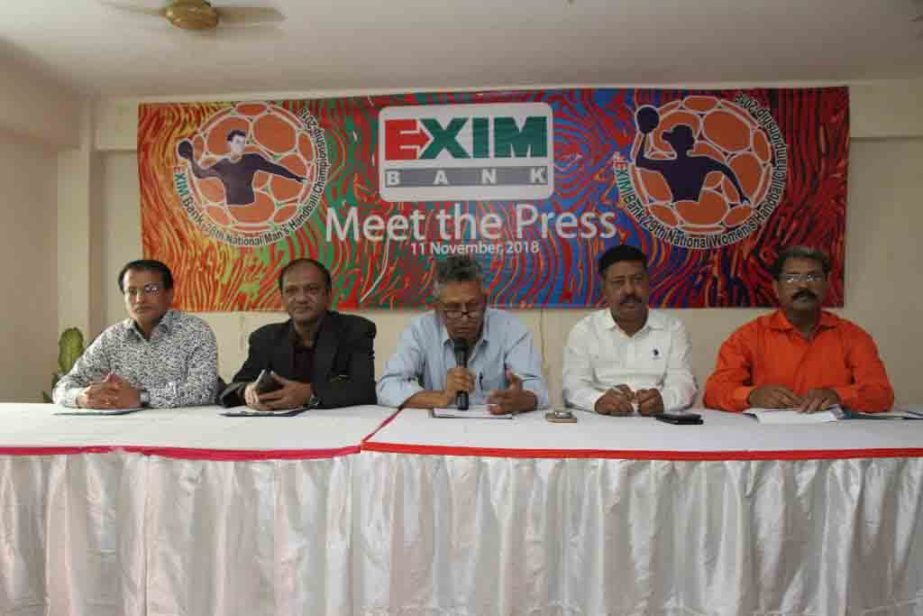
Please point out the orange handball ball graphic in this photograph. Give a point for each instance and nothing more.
(710, 127)
(258, 195)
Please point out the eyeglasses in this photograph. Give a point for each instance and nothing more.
(810, 277)
(149, 289)
(456, 311)
(313, 290)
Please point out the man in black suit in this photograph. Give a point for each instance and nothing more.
(318, 358)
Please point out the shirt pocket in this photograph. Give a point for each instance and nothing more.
(171, 367)
(490, 381)
(606, 364)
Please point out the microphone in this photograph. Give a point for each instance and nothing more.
(461, 359)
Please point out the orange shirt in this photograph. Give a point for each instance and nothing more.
(770, 351)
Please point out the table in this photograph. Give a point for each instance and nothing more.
(361, 511)
(634, 516)
(177, 511)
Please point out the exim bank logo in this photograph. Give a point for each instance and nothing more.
(472, 152)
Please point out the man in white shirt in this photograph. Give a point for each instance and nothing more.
(627, 357)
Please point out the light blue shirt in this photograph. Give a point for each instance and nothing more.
(425, 353)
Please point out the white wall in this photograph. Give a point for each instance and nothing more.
(883, 273)
(37, 108)
(28, 283)
(39, 125)
(884, 254)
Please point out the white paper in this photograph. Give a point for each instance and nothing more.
(474, 412)
(246, 411)
(98, 412)
(895, 414)
(788, 416)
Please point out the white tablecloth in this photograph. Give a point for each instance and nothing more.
(723, 436)
(180, 432)
(634, 516)
(179, 512)
(185, 512)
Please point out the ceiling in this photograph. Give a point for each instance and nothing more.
(374, 45)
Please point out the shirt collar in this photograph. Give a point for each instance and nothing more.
(778, 321)
(295, 339)
(655, 320)
(166, 324)
(292, 334)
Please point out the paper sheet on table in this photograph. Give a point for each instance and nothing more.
(474, 412)
(788, 416)
(894, 414)
(246, 411)
(98, 412)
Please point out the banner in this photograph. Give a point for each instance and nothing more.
(534, 184)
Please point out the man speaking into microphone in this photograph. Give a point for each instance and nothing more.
(463, 352)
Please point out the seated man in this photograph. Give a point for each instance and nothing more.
(625, 355)
(504, 369)
(158, 357)
(318, 358)
(799, 357)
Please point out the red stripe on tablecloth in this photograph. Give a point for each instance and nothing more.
(641, 454)
(188, 453)
(242, 455)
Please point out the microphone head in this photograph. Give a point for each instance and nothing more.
(461, 351)
(460, 345)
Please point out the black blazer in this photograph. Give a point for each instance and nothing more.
(344, 369)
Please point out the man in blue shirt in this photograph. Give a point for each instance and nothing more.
(504, 369)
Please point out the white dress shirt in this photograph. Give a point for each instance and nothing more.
(599, 356)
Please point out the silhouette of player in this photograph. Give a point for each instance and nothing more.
(236, 170)
(685, 174)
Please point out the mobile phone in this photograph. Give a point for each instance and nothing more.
(680, 419)
(265, 383)
(561, 416)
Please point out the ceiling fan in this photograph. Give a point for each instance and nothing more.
(202, 15)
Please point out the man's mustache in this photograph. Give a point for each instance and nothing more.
(804, 293)
(629, 298)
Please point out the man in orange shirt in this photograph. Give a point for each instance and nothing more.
(799, 357)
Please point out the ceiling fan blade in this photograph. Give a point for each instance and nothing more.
(134, 8)
(234, 34)
(247, 15)
(246, 33)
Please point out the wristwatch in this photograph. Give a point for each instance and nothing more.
(313, 401)
(145, 397)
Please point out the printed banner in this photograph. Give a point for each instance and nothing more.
(534, 184)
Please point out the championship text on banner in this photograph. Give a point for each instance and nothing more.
(711, 184)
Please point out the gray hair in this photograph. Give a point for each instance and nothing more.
(457, 268)
(799, 252)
